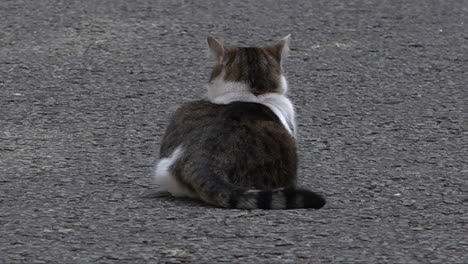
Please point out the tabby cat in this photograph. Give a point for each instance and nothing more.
(237, 149)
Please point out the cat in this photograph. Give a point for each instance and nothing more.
(237, 149)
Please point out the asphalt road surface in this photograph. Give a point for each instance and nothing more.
(86, 88)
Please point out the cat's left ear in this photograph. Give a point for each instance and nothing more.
(218, 50)
(280, 49)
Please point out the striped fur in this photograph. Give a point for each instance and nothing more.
(237, 150)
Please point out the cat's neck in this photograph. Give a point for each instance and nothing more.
(220, 92)
(227, 92)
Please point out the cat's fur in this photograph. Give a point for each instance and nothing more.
(237, 150)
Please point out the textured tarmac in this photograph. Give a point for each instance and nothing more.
(86, 88)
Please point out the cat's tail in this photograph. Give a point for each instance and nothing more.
(227, 195)
(283, 198)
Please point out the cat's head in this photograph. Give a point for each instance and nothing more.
(249, 70)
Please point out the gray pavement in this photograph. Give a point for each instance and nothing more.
(86, 87)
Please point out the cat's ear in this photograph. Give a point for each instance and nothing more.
(218, 50)
(280, 49)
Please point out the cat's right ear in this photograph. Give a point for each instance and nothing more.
(218, 50)
(280, 49)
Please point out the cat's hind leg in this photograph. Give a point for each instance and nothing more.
(165, 177)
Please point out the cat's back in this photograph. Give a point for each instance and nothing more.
(193, 114)
(242, 122)
(225, 118)
(186, 120)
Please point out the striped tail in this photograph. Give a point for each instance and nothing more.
(226, 195)
(284, 198)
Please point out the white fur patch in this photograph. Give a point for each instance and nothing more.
(284, 85)
(282, 107)
(164, 178)
(232, 91)
(221, 92)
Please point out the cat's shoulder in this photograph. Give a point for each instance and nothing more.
(194, 108)
(236, 110)
(248, 111)
(196, 105)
